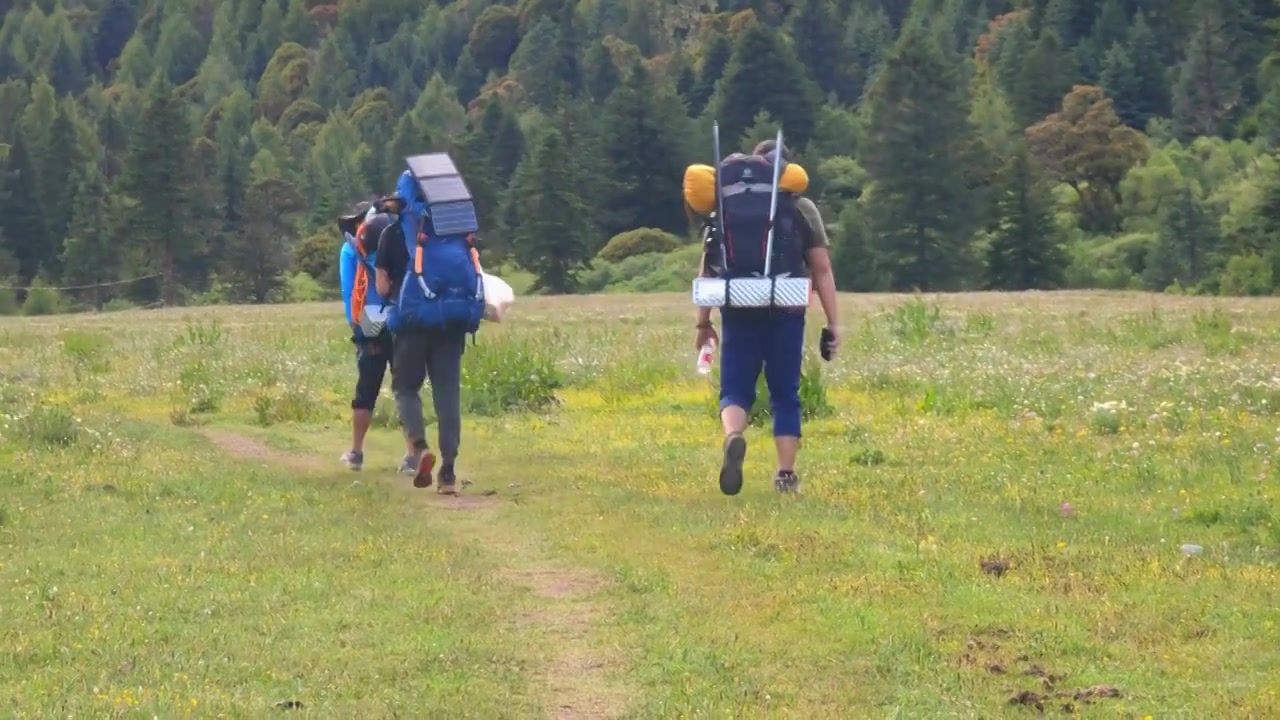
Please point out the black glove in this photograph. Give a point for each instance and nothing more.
(824, 345)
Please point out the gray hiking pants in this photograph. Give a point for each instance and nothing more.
(436, 356)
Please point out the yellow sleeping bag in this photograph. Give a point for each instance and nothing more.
(700, 185)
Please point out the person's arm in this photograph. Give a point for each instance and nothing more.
(817, 256)
(702, 319)
(347, 276)
(383, 262)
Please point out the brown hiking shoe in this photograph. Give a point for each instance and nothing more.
(426, 463)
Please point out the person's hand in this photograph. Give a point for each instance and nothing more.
(706, 332)
(830, 343)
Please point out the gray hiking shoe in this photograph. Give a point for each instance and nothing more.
(353, 459)
(409, 466)
(735, 451)
(786, 481)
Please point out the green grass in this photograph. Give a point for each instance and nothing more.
(176, 535)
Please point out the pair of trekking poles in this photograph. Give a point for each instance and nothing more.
(763, 291)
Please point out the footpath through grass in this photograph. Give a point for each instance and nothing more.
(997, 492)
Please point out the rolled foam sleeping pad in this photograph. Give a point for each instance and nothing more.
(700, 185)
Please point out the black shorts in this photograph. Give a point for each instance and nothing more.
(373, 357)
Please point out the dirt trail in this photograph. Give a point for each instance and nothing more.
(578, 681)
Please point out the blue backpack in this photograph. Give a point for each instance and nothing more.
(442, 287)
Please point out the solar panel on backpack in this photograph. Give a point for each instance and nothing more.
(448, 199)
(431, 165)
(458, 218)
(444, 189)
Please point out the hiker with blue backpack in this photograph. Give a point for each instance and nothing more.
(428, 266)
(365, 311)
(765, 254)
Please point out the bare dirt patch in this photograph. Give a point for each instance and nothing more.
(578, 681)
(462, 502)
(985, 651)
(555, 583)
(246, 447)
(243, 446)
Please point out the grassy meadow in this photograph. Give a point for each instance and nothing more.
(997, 492)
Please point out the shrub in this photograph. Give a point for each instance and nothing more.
(41, 300)
(505, 375)
(1246, 275)
(118, 305)
(301, 287)
(317, 256)
(8, 302)
(652, 272)
(638, 242)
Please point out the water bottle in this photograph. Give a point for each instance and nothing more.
(704, 358)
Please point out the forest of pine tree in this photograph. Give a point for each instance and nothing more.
(207, 146)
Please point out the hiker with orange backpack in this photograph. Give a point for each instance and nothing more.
(366, 314)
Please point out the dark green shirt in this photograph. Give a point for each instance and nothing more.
(813, 232)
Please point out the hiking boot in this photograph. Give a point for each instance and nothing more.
(786, 481)
(447, 481)
(409, 466)
(426, 463)
(735, 451)
(353, 459)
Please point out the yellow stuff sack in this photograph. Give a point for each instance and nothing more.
(700, 185)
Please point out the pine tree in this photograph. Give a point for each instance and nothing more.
(235, 150)
(823, 51)
(550, 233)
(536, 61)
(1188, 236)
(1120, 82)
(1152, 97)
(262, 251)
(61, 160)
(1047, 74)
(921, 213)
(297, 25)
(645, 121)
(1025, 250)
(91, 254)
(115, 26)
(601, 72)
(24, 218)
(1111, 26)
(716, 56)
(1208, 88)
(467, 78)
(158, 179)
(1009, 50)
(507, 143)
(765, 74)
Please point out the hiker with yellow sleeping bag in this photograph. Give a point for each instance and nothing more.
(765, 249)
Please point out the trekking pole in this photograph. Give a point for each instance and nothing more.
(773, 203)
(715, 149)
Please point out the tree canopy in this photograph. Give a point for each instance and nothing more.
(207, 147)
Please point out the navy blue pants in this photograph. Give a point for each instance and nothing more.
(752, 339)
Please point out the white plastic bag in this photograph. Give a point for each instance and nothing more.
(498, 296)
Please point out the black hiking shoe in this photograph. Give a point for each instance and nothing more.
(447, 481)
(735, 450)
(786, 481)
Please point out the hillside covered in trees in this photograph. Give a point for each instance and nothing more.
(207, 145)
